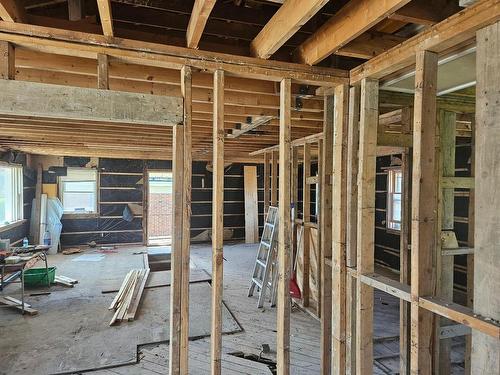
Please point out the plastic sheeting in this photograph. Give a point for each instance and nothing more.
(54, 225)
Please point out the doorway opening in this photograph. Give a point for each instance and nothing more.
(159, 208)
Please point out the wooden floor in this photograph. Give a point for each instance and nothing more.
(259, 327)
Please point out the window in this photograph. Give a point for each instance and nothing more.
(394, 194)
(11, 194)
(78, 191)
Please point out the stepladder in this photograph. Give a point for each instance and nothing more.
(265, 269)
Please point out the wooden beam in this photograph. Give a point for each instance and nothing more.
(387, 285)
(284, 233)
(187, 93)
(352, 20)
(12, 11)
(326, 237)
(106, 17)
(366, 223)
(199, 17)
(485, 358)
(452, 31)
(102, 72)
(289, 18)
(267, 192)
(64, 102)
(217, 223)
(274, 178)
(86, 45)
(339, 188)
(75, 10)
(7, 61)
(306, 217)
(177, 238)
(424, 210)
(251, 201)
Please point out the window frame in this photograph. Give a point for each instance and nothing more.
(392, 174)
(61, 186)
(18, 198)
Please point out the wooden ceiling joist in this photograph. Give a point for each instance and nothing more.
(12, 11)
(199, 17)
(352, 20)
(106, 16)
(289, 18)
(73, 43)
(439, 38)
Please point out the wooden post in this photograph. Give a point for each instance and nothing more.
(102, 71)
(326, 236)
(352, 223)
(485, 358)
(424, 211)
(339, 214)
(217, 222)
(295, 201)
(284, 231)
(446, 218)
(75, 10)
(7, 61)
(177, 238)
(266, 183)
(319, 208)
(306, 230)
(274, 178)
(366, 223)
(404, 267)
(186, 88)
(251, 208)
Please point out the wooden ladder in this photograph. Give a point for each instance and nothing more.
(264, 272)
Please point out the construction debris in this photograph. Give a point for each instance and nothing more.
(126, 302)
(72, 250)
(65, 281)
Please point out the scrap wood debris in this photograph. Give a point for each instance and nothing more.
(65, 281)
(126, 302)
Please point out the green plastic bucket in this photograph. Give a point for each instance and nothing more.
(38, 276)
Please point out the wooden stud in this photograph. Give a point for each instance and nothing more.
(274, 178)
(485, 358)
(7, 61)
(404, 266)
(177, 239)
(352, 217)
(339, 213)
(318, 181)
(75, 10)
(284, 232)
(187, 93)
(306, 217)
(366, 223)
(251, 201)
(217, 223)
(266, 183)
(424, 210)
(12, 11)
(295, 201)
(102, 72)
(326, 236)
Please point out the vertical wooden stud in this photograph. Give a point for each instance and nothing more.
(217, 222)
(352, 218)
(266, 183)
(7, 60)
(251, 202)
(295, 201)
(339, 212)
(176, 260)
(306, 216)
(187, 93)
(319, 208)
(424, 210)
(284, 231)
(75, 10)
(274, 178)
(102, 71)
(326, 235)
(366, 223)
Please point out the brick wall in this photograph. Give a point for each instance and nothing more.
(160, 215)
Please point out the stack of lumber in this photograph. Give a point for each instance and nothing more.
(129, 296)
(65, 281)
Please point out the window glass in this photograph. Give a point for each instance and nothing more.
(11, 194)
(394, 196)
(78, 190)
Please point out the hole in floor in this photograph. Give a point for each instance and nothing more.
(256, 358)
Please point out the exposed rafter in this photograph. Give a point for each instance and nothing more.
(12, 11)
(356, 17)
(198, 20)
(106, 17)
(289, 18)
